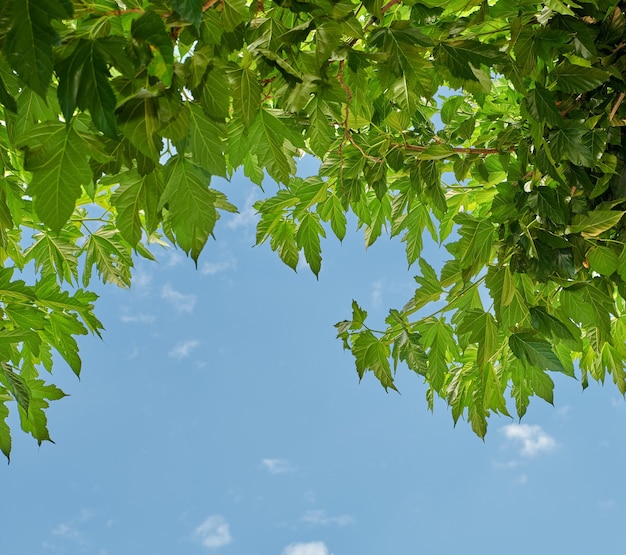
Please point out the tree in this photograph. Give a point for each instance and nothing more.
(496, 127)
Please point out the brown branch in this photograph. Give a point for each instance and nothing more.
(457, 149)
(347, 136)
(618, 103)
(122, 12)
(208, 5)
(389, 5)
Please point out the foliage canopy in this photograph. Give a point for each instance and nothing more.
(495, 126)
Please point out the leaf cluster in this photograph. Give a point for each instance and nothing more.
(496, 127)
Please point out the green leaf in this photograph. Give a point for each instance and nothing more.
(568, 143)
(136, 200)
(268, 136)
(439, 343)
(477, 238)
(510, 306)
(191, 204)
(112, 260)
(28, 44)
(56, 156)
(595, 223)
(206, 142)
(429, 288)
(528, 380)
(588, 304)
(246, 91)
(462, 56)
(602, 260)
(307, 237)
(283, 241)
(215, 96)
(34, 421)
(535, 351)
(54, 256)
(417, 219)
(371, 353)
(482, 329)
(332, 210)
(321, 134)
(84, 82)
(234, 13)
(436, 152)
(615, 364)
(5, 431)
(190, 10)
(548, 324)
(151, 29)
(540, 104)
(16, 385)
(578, 79)
(138, 119)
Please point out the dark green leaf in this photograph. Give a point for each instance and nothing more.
(190, 10)
(56, 155)
(84, 82)
(578, 79)
(535, 351)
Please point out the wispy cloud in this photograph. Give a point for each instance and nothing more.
(141, 279)
(214, 532)
(564, 412)
(277, 466)
(67, 531)
(174, 259)
(183, 349)
(212, 268)
(248, 215)
(312, 548)
(377, 294)
(140, 318)
(180, 301)
(321, 518)
(72, 530)
(532, 440)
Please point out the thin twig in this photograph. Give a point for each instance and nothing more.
(618, 103)
(346, 131)
(209, 4)
(389, 5)
(457, 149)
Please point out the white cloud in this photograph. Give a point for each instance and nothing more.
(71, 529)
(532, 439)
(212, 268)
(140, 318)
(248, 215)
(521, 479)
(183, 349)
(214, 532)
(181, 302)
(506, 465)
(277, 466)
(320, 517)
(67, 531)
(377, 294)
(563, 412)
(312, 548)
(174, 259)
(141, 279)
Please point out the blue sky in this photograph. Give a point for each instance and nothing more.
(220, 416)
